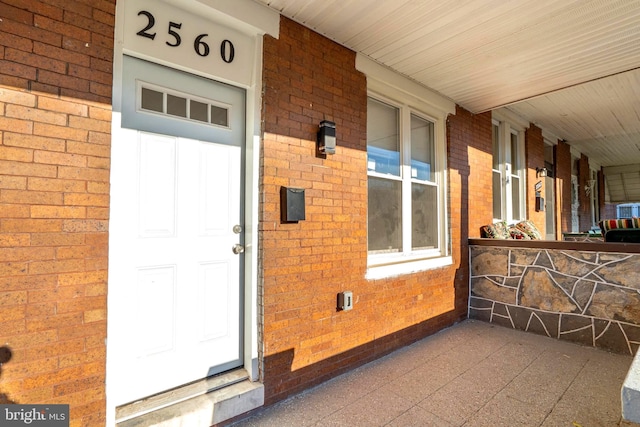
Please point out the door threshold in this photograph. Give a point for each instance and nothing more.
(201, 403)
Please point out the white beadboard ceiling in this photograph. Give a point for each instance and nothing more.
(572, 67)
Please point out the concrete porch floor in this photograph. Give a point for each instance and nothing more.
(471, 374)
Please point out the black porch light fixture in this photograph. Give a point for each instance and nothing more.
(541, 172)
(327, 137)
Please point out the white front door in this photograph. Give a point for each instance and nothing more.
(174, 279)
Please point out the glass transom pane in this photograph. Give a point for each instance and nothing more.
(422, 149)
(219, 116)
(199, 111)
(176, 106)
(383, 138)
(152, 100)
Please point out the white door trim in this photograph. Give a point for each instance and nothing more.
(270, 22)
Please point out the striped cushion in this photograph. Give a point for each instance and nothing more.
(611, 224)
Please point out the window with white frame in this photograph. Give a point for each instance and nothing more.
(406, 166)
(508, 172)
(405, 208)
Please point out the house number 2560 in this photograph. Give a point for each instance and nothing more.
(201, 47)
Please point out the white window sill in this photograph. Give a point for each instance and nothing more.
(397, 269)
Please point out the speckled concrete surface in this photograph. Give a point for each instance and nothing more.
(472, 374)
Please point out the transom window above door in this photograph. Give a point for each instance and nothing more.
(156, 99)
(167, 101)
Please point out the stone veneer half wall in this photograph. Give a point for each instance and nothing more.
(590, 297)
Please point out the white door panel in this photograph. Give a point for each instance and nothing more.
(174, 282)
(176, 277)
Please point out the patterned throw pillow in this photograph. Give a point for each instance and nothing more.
(635, 221)
(499, 230)
(530, 229)
(518, 234)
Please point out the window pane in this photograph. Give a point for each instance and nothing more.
(424, 216)
(219, 116)
(422, 149)
(496, 147)
(514, 152)
(198, 111)
(151, 100)
(515, 197)
(383, 138)
(385, 215)
(497, 195)
(176, 106)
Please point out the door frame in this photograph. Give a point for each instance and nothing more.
(253, 21)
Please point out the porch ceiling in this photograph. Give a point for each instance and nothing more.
(572, 67)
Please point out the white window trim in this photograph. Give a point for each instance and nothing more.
(387, 86)
(510, 124)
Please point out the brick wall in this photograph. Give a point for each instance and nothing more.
(55, 96)
(308, 78)
(534, 153)
(470, 151)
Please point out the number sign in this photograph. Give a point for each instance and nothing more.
(161, 31)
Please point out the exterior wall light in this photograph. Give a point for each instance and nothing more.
(327, 137)
(541, 172)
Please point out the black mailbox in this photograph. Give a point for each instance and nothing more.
(291, 204)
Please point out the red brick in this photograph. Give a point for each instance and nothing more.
(30, 197)
(13, 182)
(16, 154)
(98, 162)
(63, 81)
(56, 266)
(13, 298)
(56, 185)
(17, 97)
(26, 254)
(90, 124)
(56, 239)
(60, 132)
(16, 125)
(14, 239)
(30, 225)
(85, 174)
(32, 33)
(58, 212)
(57, 53)
(37, 7)
(27, 58)
(85, 226)
(58, 27)
(36, 115)
(10, 40)
(63, 106)
(27, 169)
(54, 158)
